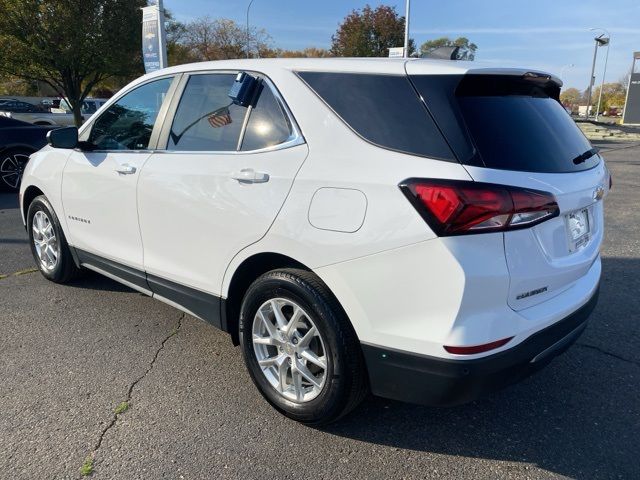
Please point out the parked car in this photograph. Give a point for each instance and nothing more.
(89, 106)
(18, 140)
(17, 106)
(425, 230)
(41, 117)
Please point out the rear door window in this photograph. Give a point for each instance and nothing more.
(206, 118)
(383, 109)
(268, 123)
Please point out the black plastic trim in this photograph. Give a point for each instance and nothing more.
(128, 274)
(207, 306)
(204, 305)
(429, 380)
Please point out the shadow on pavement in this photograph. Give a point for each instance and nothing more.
(579, 417)
(8, 200)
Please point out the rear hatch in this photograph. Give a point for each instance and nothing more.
(507, 127)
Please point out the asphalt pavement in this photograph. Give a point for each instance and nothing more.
(71, 355)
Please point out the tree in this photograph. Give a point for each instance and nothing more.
(613, 95)
(467, 49)
(370, 33)
(71, 45)
(571, 97)
(309, 52)
(220, 39)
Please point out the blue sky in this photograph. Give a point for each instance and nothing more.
(546, 34)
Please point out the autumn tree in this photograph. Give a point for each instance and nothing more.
(467, 49)
(72, 45)
(220, 39)
(571, 97)
(369, 33)
(309, 52)
(613, 95)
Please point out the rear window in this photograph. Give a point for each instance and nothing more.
(511, 122)
(383, 109)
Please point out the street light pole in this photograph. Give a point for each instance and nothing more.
(406, 29)
(248, 7)
(604, 72)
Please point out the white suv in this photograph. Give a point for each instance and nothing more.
(425, 230)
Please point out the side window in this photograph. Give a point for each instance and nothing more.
(268, 123)
(128, 123)
(206, 119)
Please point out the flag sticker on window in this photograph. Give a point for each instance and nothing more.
(220, 118)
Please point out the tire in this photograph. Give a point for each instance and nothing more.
(337, 388)
(12, 164)
(48, 243)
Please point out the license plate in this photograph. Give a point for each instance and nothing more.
(578, 229)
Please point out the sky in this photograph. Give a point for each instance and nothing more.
(551, 35)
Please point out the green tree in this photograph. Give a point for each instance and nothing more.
(467, 49)
(370, 33)
(71, 45)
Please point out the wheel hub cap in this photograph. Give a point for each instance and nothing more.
(289, 350)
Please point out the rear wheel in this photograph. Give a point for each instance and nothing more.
(12, 164)
(48, 243)
(300, 348)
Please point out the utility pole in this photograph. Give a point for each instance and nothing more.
(406, 29)
(162, 40)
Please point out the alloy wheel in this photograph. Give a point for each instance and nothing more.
(45, 241)
(11, 169)
(289, 350)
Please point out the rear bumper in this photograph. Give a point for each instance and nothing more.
(443, 382)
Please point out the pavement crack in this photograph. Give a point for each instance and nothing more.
(604, 352)
(120, 411)
(18, 273)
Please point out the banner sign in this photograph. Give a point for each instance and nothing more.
(632, 105)
(153, 46)
(396, 52)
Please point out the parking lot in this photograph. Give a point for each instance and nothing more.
(70, 355)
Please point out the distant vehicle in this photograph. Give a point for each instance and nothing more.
(18, 106)
(39, 117)
(89, 106)
(49, 103)
(18, 140)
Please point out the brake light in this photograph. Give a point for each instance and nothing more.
(453, 207)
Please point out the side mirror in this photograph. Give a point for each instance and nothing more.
(66, 137)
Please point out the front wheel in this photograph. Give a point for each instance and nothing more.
(48, 243)
(299, 347)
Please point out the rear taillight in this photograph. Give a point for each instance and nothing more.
(453, 207)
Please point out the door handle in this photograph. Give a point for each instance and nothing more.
(126, 169)
(249, 175)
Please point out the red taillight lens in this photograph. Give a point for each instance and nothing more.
(473, 349)
(454, 207)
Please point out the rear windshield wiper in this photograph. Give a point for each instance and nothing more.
(586, 156)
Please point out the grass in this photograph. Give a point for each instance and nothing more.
(3, 276)
(25, 271)
(123, 407)
(87, 467)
